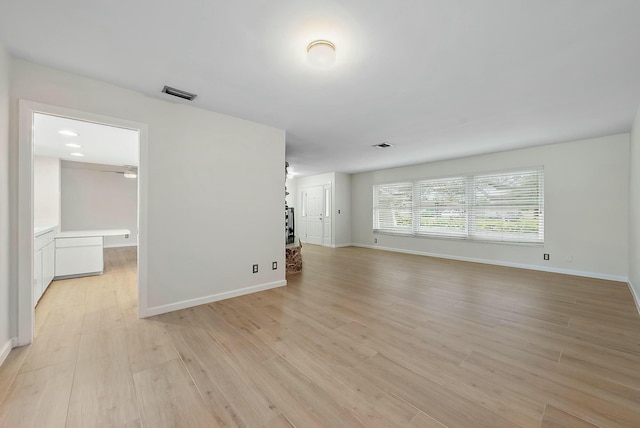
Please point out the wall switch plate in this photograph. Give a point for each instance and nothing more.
(255, 268)
(274, 265)
(545, 256)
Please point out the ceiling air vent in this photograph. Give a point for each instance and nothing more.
(178, 93)
(382, 145)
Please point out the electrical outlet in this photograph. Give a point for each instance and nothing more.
(255, 268)
(338, 211)
(545, 256)
(274, 265)
(375, 240)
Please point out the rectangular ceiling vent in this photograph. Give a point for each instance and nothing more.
(178, 93)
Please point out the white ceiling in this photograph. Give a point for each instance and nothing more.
(437, 78)
(100, 144)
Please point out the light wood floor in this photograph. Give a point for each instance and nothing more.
(360, 338)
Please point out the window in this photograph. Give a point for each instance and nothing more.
(509, 206)
(441, 207)
(497, 207)
(327, 202)
(393, 208)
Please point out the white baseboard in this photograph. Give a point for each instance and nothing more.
(157, 310)
(6, 348)
(586, 274)
(634, 293)
(341, 245)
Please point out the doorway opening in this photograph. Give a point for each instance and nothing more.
(82, 206)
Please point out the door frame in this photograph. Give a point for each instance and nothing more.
(301, 192)
(26, 112)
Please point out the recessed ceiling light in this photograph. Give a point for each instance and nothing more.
(77, 154)
(384, 145)
(321, 53)
(74, 145)
(68, 133)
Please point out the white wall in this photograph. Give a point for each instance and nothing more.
(586, 208)
(342, 209)
(634, 209)
(207, 223)
(46, 191)
(315, 180)
(292, 188)
(92, 199)
(7, 311)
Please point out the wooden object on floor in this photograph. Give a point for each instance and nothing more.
(294, 256)
(359, 338)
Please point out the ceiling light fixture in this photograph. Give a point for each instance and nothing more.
(384, 145)
(321, 53)
(68, 133)
(77, 154)
(74, 145)
(130, 174)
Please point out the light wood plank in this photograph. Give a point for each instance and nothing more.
(39, 398)
(556, 418)
(148, 345)
(226, 388)
(10, 368)
(359, 338)
(169, 398)
(51, 349)
(103, 394)
(422, 420)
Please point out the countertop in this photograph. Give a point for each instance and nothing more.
(89, 233)
(41, 230)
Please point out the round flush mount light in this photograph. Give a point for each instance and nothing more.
(68, 133)
(321, 53)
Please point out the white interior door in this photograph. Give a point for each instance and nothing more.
(314, 211)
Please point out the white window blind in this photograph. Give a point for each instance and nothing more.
(496, 207)
(393, 208)
(508, 206)
(441, 207)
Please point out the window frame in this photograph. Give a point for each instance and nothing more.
(531, 202)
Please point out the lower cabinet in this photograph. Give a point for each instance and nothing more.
(38, 279)
(48, 264)
(79, 256)
(43, 264)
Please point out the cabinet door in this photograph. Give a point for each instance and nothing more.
(48, 265)
(79, 256)
(37, 277)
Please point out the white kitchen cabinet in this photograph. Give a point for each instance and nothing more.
(43, 262)
(79, 256)
(80, 252)
(38, 279)
(48, 264)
